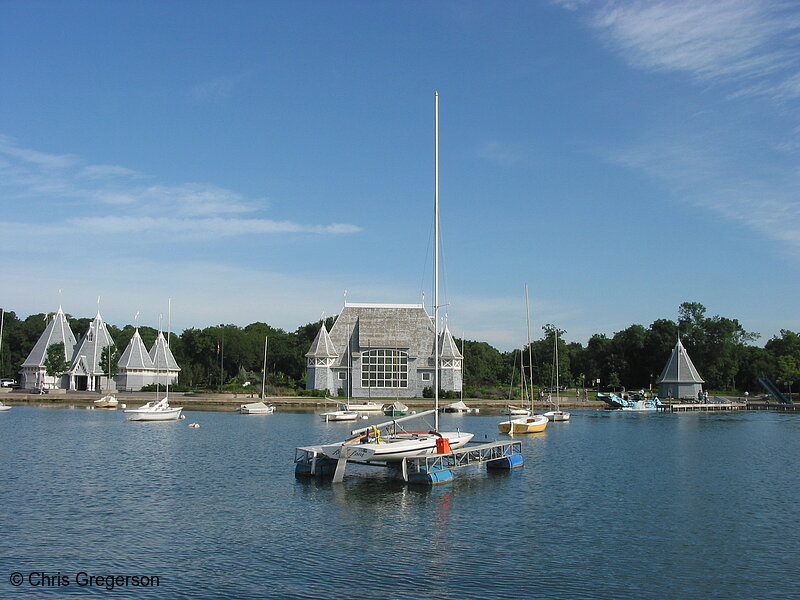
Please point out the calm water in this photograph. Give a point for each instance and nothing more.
(610, 505)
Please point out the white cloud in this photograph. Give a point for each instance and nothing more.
(219, 88)
(126, 204)
(752, 43)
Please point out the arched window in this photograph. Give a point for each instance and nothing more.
(384, 369)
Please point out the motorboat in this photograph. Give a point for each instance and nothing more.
(154, 411)
(108, 401)
(395, 409)
(4, 407)
(256, 408)
(532, 424)
(515, 411)
(339, 415)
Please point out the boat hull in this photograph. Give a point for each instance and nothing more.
(365, 407)
(534, 424)
(256, 408)
(557, 415)
(339, 415)
(136, 414)
(395, 448)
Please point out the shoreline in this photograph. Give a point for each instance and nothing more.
(233, 401)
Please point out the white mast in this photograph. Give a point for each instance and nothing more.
(530, 362)
(264, 370)
(436, 260)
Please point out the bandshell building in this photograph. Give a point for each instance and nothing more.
(382, 351)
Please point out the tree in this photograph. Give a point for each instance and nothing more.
(109, 358)
(55, 362)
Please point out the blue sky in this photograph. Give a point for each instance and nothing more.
(253, 160)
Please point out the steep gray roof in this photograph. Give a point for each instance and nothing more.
(322, 347)
(679, 368)
(135, 355)
(447, 345)
(161, 355)
(86, 360)
(406, 327)
(56, 331)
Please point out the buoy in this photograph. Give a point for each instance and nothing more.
(124, 405)
(364, 417)
(194, 425)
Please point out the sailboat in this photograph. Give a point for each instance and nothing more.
(157, 410)
(107, 401)
(557, 414)
(259, 408)
(532, 423)
(389, 442)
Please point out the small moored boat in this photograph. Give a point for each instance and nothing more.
(256, 408)
(459, 407)
(108, 401)
(363, 406)
(515, 411)
(532, 424)
(154, 411)
(395, 409)
(339, 415)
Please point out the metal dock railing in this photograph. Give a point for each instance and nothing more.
(427, 469)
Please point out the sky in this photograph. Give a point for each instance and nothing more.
(231, 162)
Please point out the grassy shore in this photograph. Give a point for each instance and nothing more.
(233, 401)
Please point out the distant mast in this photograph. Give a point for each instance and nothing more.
(436, 259)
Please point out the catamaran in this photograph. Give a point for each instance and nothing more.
(387, 442)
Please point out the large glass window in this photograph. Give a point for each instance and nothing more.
(384, 369)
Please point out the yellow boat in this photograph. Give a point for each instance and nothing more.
(532, 424)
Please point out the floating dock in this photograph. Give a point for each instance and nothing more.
(429, 469)
(701, 406)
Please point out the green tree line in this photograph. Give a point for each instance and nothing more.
(222, 355)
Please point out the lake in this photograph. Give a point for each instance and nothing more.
(609, 505)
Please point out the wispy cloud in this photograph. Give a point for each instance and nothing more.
(744, 49)
(699, 173)
(219, 88)
(751, 43)
(501, 153)
(129, 203)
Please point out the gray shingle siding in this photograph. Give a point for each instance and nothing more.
(362, 328)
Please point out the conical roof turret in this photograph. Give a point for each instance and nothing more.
(86, 359)
(322, 347)
(161, 355)
(447, 345)
(56, 331)
(679, 368)
(135, 355)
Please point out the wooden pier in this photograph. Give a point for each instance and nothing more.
(781, 407)
(429, 469)
(728, 405)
